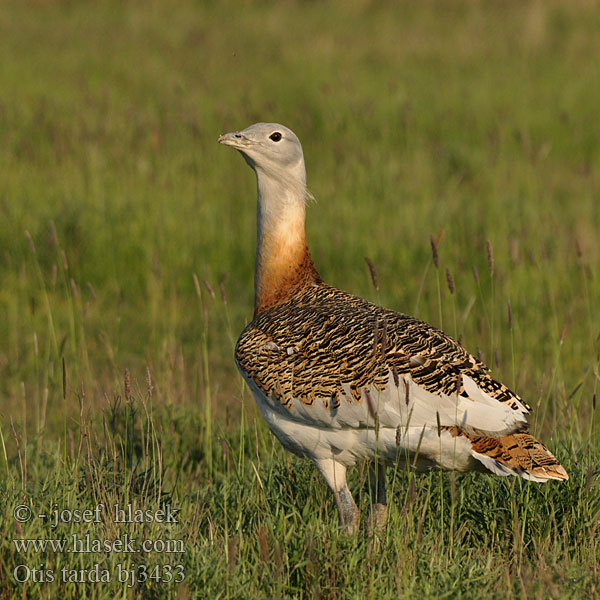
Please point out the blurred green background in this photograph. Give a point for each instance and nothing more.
(473, 118)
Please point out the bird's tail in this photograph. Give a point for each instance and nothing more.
(516, 454)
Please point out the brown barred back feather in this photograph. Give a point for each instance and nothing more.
(321, 338)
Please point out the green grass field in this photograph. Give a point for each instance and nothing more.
(126, 267)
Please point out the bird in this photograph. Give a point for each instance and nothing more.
(341, 380)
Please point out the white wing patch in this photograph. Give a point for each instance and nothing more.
(410, 405)
(478, 395)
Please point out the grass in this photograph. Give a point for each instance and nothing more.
(127, 253)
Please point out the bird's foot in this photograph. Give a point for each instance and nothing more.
(350, 523)
(349, 513)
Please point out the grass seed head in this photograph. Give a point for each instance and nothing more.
(127, 385)
(434, 252)
(373, 273)
(490, 257)
(450, 281)
(222, 287)
(383, 338)
(197, 285)
(149, 386)
(209, 288)
(92, 292)
(30, 241)
(370, 404)
(53, 234)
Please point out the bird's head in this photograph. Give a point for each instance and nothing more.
(270, 149)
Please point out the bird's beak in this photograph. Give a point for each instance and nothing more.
(235, 139)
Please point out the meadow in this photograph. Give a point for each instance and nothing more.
(126, 274)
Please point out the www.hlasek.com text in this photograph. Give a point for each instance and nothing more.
(84, 544)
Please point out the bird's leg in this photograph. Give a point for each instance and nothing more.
(335, 476)
(378, 517)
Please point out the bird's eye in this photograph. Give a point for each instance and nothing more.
(275, 136)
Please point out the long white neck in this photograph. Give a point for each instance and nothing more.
(283, 263)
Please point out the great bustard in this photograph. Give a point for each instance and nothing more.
(339, 379)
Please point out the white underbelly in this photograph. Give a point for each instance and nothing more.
(422, 448)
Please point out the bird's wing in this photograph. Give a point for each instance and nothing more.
(331, 359)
